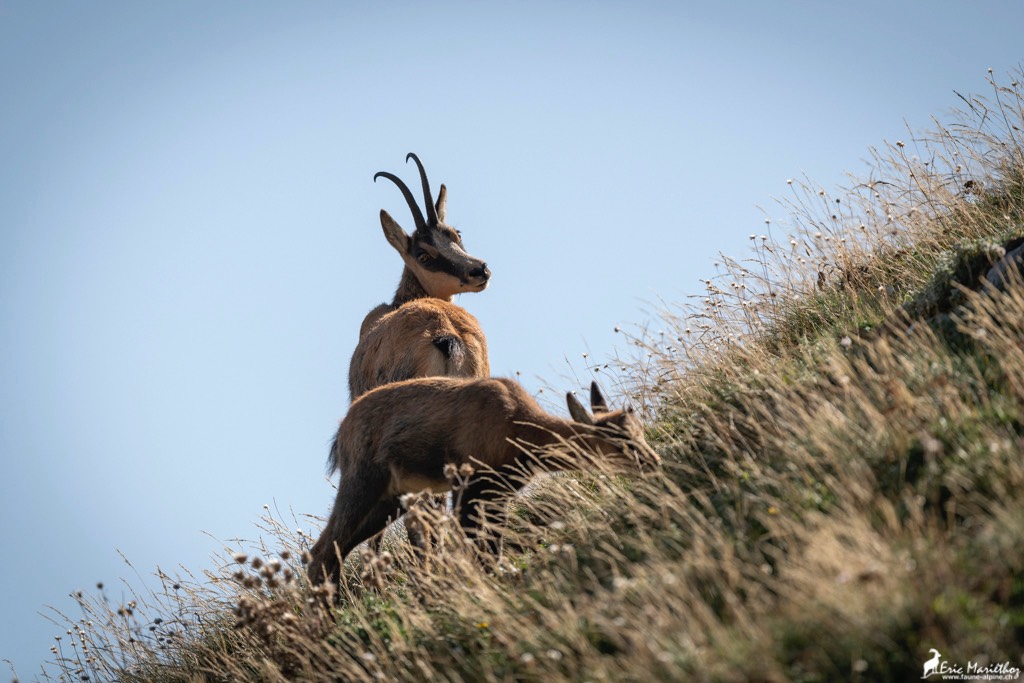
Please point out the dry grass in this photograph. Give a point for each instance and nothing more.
(841, 421)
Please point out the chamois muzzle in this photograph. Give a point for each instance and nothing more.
(479, 277)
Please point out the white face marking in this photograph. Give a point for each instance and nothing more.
(459, 251)
(441, 285)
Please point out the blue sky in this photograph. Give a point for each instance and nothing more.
(189, 235)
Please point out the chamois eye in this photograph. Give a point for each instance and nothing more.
(423, 258)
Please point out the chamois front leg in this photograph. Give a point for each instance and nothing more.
(419, 537)
(483, 509)
(422, 534)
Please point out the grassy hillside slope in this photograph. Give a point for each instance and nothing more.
(840, 416)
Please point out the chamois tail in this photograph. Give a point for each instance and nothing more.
(332, 457)
(453, 350)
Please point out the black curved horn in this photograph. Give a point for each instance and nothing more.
(417, 215)
(427, 199)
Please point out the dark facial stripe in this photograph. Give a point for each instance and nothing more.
(443, 262)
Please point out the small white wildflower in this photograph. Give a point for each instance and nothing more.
(621, 582)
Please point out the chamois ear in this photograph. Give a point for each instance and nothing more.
(394, 234)
(577, 411)
(597, 402)
(442, 201)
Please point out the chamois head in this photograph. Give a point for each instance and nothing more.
(620, 432)
(433, 253)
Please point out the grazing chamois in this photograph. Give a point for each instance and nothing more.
(399, 439)
(421, 333)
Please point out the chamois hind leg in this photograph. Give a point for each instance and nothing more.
(359, 495)
(376, 522)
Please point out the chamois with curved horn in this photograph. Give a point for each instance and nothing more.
(399, 438)
(421, 333)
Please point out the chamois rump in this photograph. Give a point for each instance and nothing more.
(421, 333)
(399, 438)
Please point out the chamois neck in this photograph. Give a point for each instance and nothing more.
(409, 288)
(547, 430)
(552, 431)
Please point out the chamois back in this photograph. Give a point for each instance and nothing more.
(422, 338)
